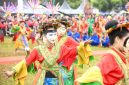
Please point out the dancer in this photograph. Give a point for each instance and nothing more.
(113, 68)
(20, 38)
(55, 57)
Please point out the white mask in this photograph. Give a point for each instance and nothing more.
(51, 37)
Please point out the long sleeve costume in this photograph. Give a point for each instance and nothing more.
(90, 27)
(110, 71)
(19, 37)
(56, 62)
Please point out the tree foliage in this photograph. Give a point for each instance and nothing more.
(74, 3)
(103, 5)
(108, 5)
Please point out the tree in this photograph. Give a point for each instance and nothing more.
(108, 5)
(74, 3)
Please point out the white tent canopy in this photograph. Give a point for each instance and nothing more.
(79, 10)
(34, 10)
(95, 11)
(113, 12)
(65, 8)
(38, 10)
(24, 7)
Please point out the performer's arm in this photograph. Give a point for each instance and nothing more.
(24, 63)
(34, 55)
(69, 52)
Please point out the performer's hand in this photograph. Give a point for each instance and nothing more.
(9, 73)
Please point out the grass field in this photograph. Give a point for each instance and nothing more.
(7, 50)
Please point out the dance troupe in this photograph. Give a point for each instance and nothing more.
(58, 55)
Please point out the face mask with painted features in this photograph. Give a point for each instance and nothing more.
(51, 37)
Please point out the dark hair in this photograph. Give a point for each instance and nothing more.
(120, 32)
(45, 27)
(64, 22)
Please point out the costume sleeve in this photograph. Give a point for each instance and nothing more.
(70, 42)
(92, 76)
(69, 52)
(67, 56)
(109, 69)
(34, 55)
(102, 71)
(107, 64)
(20, 72)
(21, 68)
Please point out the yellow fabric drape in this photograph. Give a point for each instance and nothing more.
(84, 52)
(93, 74)
(21, 72)
(18, 44)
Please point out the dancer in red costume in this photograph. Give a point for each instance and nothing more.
(55, 57)
(113, 68)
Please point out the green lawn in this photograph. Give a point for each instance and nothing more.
(10, 81)
(7, 50)
(94, 48)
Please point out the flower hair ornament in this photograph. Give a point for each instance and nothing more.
(118, 26)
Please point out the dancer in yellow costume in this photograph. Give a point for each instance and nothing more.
(20, 38)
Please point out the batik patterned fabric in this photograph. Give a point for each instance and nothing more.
(68, 76)
(50, 64)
